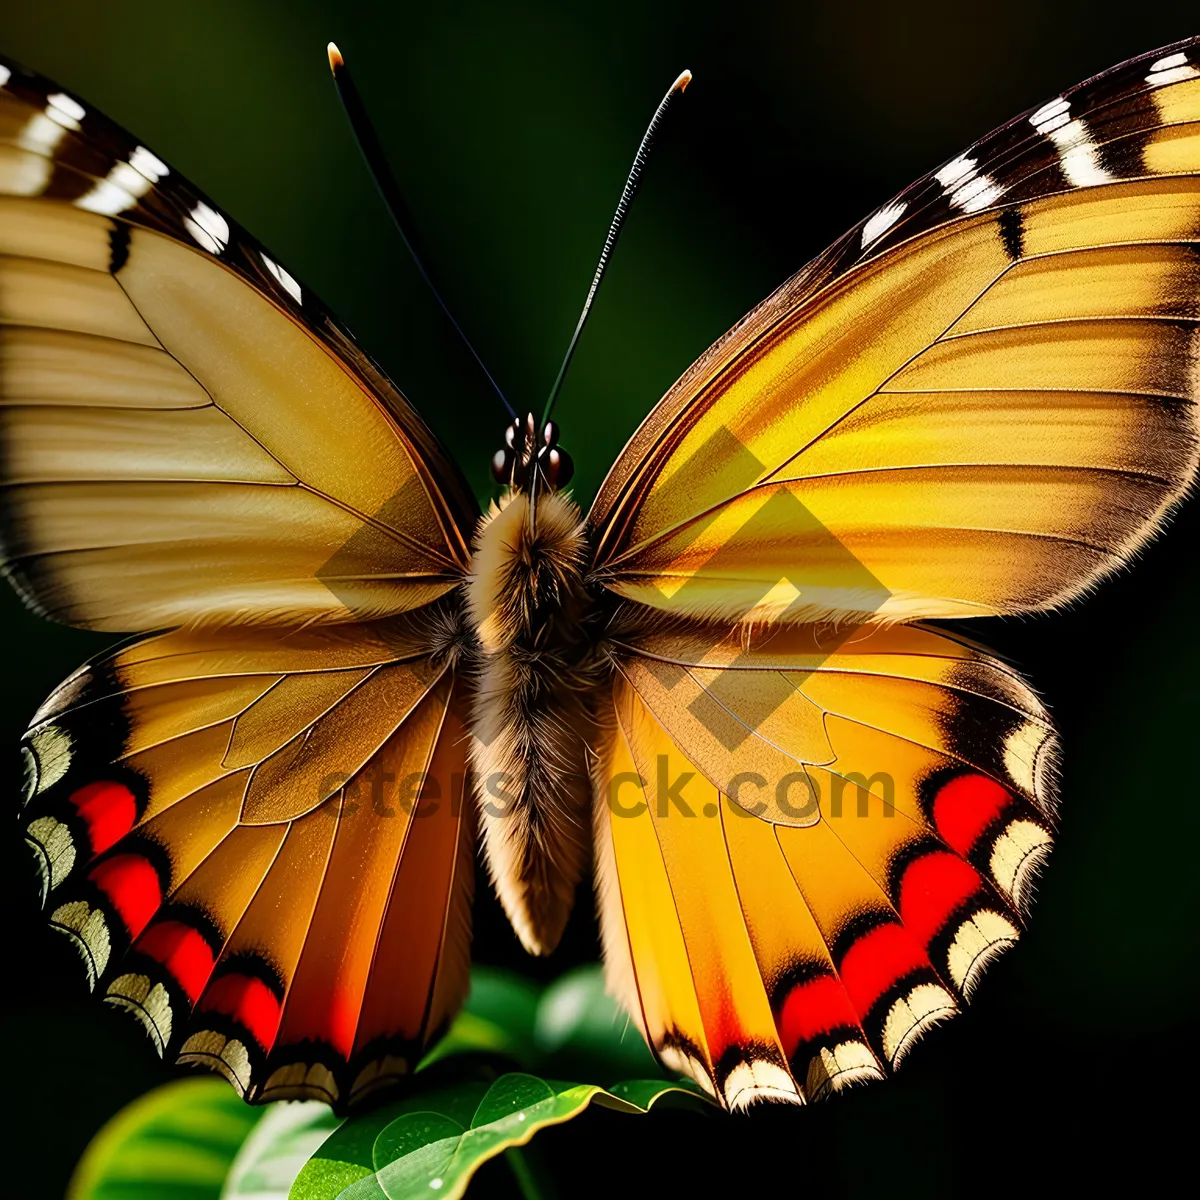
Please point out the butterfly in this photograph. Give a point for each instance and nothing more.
(814, 818)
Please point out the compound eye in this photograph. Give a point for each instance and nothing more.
(559, 467)
(502, 466)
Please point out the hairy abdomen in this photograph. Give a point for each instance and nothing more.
(532, 717)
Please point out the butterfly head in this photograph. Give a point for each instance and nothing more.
(531, 449)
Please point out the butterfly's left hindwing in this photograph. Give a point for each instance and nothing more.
(808, 853)
(186, 434)
(259, 846)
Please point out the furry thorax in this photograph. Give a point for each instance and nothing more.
(532, 718)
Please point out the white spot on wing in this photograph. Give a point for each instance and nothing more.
(965, 188)
(881, 222)
(53, 750)
(1078, 153)
(913, 1015)
(28, 174)
(1172, 69)
(1051, 116)
(64, 110)
(5, 74)
(953, 173)
(286, 281)
(208, 228)
(757, 1080)
(977, 194)
(124, 185)
(150, 165)
(115, 193)
(982, 937)
(40, 135)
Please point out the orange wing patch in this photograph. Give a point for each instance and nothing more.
(782, 936)
(283, 905)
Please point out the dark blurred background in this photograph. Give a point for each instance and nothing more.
(511, 126)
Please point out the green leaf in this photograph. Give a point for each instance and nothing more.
(583, 1031)
(433, 1139)
(454, 1115)
(178, 1140)
(432, 1142)
(278, 1147)
(640, 1095)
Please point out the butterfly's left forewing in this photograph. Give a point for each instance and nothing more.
(807, 854)
(252, 828)
(187, 435)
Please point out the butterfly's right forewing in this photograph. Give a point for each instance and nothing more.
(980, 401)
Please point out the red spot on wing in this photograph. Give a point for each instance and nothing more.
(965, 807)
(813, 1008)
(184, 953)
(876, 961)
(932, 888)
(132, 887)
(248, 1001)
(109, 811)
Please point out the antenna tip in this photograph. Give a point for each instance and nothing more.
(336, 61)
(680, 85)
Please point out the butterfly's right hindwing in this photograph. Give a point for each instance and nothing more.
(808, 855)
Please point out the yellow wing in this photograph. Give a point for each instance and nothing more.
(981, 400)
(807, 853)
(186, 433)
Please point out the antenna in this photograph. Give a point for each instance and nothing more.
(389, 190)
(633, 180)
